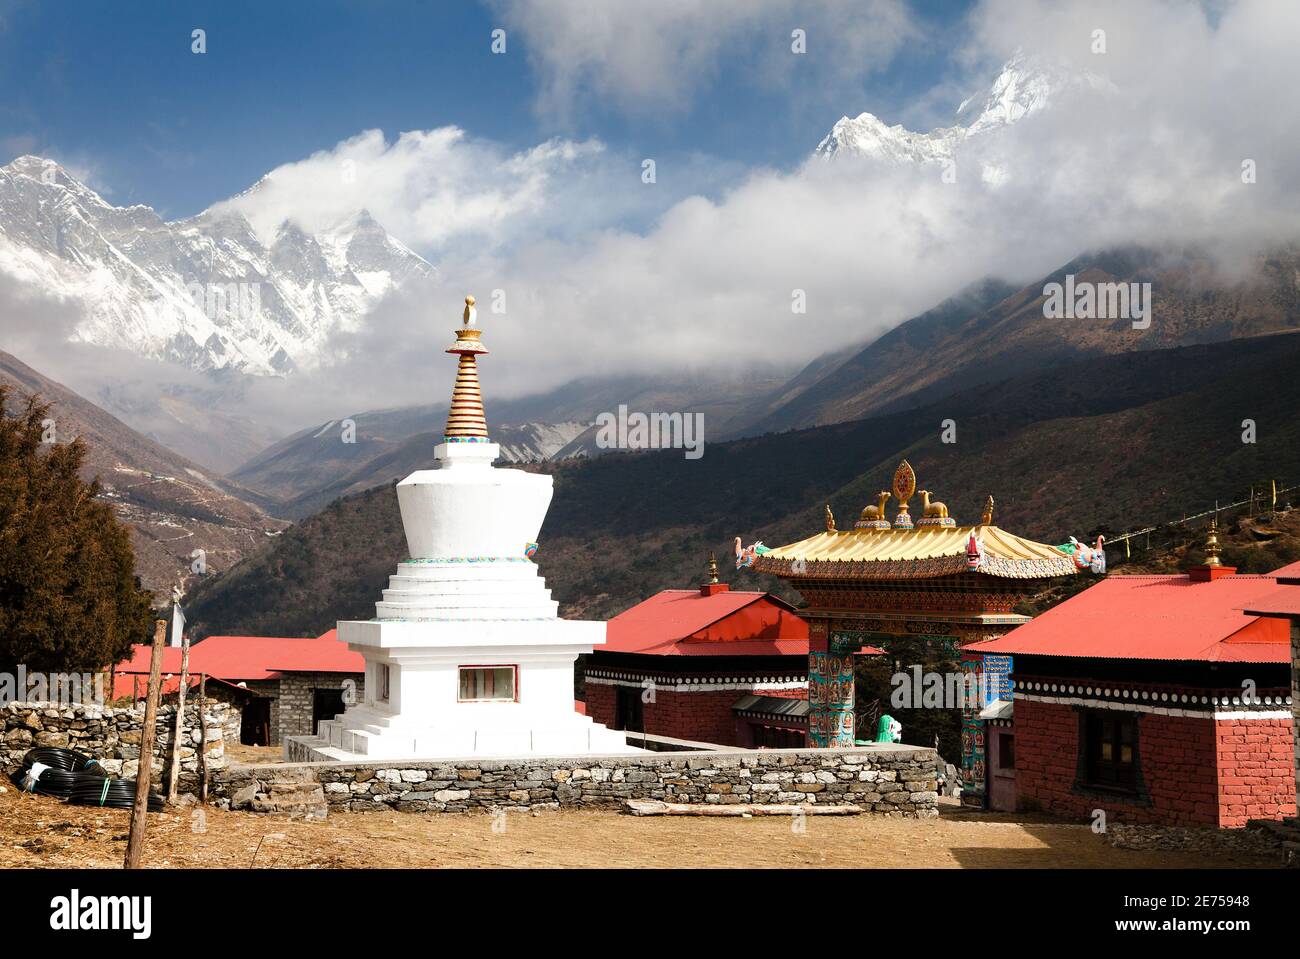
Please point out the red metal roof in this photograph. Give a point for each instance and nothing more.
(1280, 602)
(1289, 573)
(1155, 617)
(254, 657)
(690, 622)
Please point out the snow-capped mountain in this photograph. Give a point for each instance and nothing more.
(204, 291)
(1025, 85)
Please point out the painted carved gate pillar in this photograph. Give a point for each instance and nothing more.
(830, 687)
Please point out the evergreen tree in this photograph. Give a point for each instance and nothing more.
(69, 598)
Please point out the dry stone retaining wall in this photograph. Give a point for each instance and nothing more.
(112, 735)
(888, 780)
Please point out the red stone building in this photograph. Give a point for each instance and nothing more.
(1154, 699)
(710, 665)
(1285, 604)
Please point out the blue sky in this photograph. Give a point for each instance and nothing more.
(113, 89)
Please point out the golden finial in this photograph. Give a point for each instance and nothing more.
(830, 519)
(466, 421)
(987, 518)
(713, 569)
(1212, 545)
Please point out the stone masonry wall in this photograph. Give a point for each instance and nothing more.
(886, 779)
(112, 735)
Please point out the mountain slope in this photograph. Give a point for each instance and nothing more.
(1120, 441)
(958, 345)
(205, 292)
(171, 505)
(301, 473)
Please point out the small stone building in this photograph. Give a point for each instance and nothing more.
(295, 682)
(1155, 699)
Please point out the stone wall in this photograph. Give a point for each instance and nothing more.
(886, 779)
(112, 735)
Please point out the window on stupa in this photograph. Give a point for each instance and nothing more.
(488, 683)
(382, 682)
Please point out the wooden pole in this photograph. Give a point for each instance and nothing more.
(203, 735)
(178, 732)
(135, 839)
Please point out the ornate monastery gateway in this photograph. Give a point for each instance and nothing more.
(914, 576)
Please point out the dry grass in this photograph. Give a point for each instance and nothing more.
(36, 832)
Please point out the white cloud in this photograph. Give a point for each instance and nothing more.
(428, 187)
(650, 58)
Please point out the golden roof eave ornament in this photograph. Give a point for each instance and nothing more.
(904, 488)
(876, 551)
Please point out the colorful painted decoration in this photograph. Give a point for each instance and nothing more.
(745, 555)
(904, 483)
(530, 550)
(889, 729)
(1092, 558)
(974, 553)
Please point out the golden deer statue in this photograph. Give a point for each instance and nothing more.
(877, 511)
(936, 509)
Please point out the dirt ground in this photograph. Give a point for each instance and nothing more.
(37, 831)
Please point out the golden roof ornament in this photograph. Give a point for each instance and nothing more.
(873, 516)
(1212, 545)
(933, 513)
(466, 421)
(830, 519)
(713, 569)
(904, 487)
(986, 518)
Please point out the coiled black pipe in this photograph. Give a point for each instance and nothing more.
(113, 793)
(81, 780)
(68, 760)
(60, 770)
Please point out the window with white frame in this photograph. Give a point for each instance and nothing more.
(488, 684)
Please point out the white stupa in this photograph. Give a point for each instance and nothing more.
(466, 655)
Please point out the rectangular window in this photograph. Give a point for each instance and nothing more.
(1110, 746)
(488, 684)
(629, 709)
(382, 684)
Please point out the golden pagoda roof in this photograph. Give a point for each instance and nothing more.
(913, 553)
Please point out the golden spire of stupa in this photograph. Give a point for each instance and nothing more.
(713, 568)
(465, 420)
